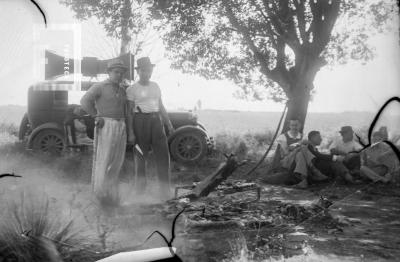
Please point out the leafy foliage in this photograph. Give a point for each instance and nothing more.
(268, 44)
(122, 19)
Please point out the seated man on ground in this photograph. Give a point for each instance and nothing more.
(81, 128)
(346, 146)
(313, 165)
(289, 144)
(378, 162)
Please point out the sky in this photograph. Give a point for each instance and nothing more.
(352, 87)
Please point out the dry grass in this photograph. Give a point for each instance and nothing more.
(28, 226)
(9, 128)
(247, 145)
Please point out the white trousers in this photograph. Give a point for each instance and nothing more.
(108, 157)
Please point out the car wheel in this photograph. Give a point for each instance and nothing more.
(24, 128)
(49, 141)
(188, 147)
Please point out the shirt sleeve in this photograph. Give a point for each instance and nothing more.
(333, 145)
(357, 146)
(89, 98)
(318, 155)
(93, 92)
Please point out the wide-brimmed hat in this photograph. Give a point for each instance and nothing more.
(346, 129)
(144, 62)
(116, 63)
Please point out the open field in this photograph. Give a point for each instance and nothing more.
(240, 122)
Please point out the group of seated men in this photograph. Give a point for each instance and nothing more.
(345, 160)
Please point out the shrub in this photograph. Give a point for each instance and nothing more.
(261, 138)
(248, 145)
(27, 231)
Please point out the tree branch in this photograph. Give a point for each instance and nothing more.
(280, 55)
(260, 57)
(270, 33)
(300, 9)
(325, 14)
(284, 28)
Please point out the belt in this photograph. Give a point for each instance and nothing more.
(139, 111)
(144, 113)
(115, 119)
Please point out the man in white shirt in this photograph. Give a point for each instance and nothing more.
(289, 143)
(346, 147)
(346, 144)
(291, 138)
(147, 116)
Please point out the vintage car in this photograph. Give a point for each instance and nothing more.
(45, 127)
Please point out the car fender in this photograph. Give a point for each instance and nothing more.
(200, 125)
(23, 127)
(50, 125)
(184, 129)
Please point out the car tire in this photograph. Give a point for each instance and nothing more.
(188, 147)
(49, 141)
(24, 128)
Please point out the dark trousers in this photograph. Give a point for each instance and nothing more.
(330, 168)
(352, 161)
(150, 135)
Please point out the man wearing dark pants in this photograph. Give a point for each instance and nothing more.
(329, 164)
(147, 117)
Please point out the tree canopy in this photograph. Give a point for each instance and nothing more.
(128, 20)
(276, 46)
(270, 48)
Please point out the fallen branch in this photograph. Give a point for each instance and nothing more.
(205, 187)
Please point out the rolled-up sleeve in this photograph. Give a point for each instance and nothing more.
(333, 145)
(130, 93)
(89, 98)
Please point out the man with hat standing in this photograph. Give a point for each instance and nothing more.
(147, 116)
(106, 101)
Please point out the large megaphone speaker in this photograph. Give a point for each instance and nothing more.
(57, 65)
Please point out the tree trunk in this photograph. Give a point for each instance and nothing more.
(298, 105)
(126, 38)
(125, 41)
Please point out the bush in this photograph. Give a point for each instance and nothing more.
(250, 145)
(9, 128)
(261, 138)
(28, 231)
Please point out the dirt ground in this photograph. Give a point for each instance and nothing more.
(362, 224)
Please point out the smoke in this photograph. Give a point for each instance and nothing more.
(65, 183)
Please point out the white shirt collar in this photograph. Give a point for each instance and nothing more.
(297, 137)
